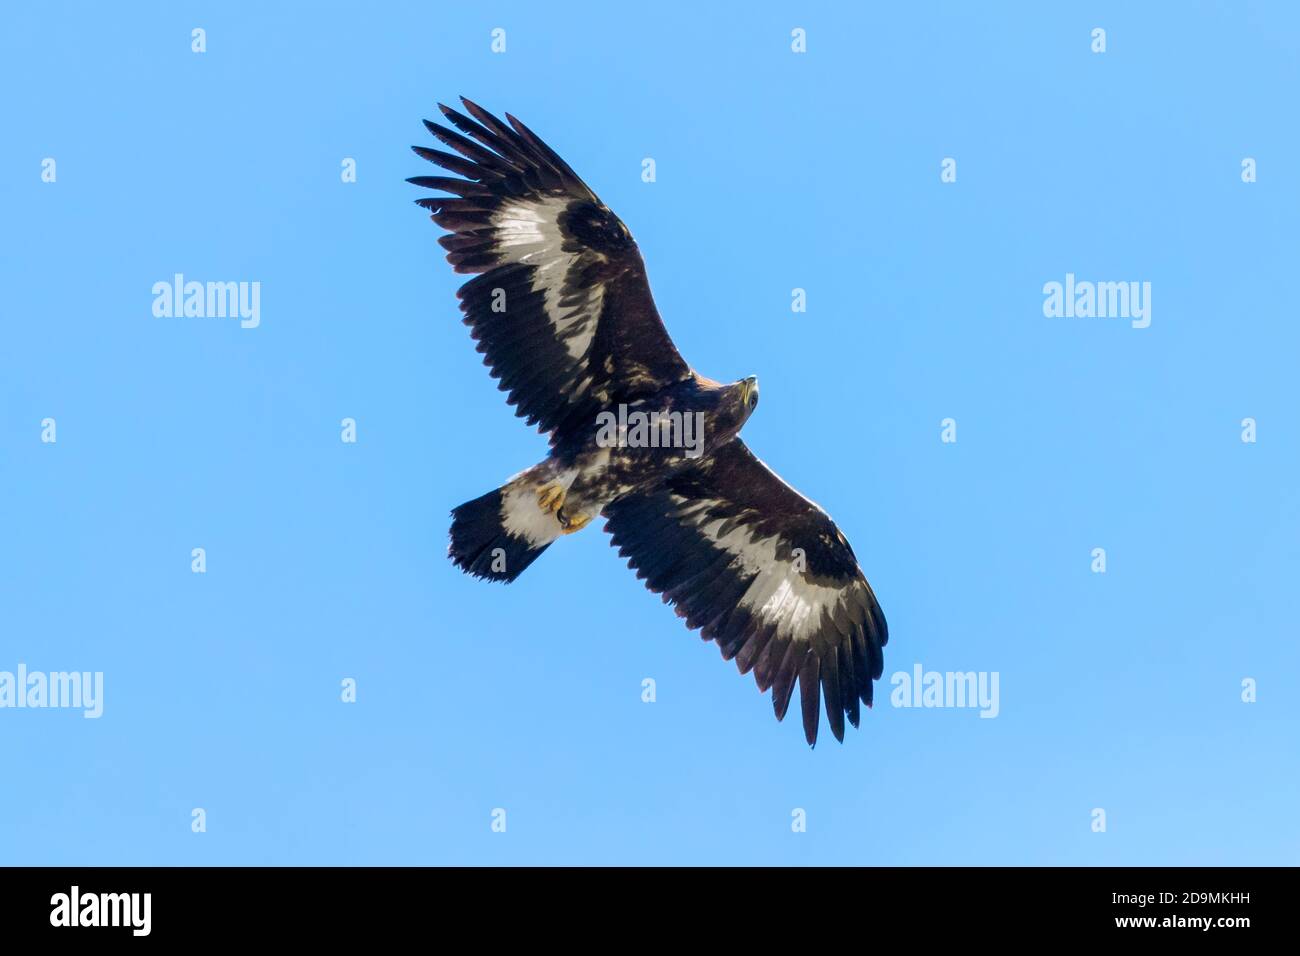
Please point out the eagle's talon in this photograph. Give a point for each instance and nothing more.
(550, 498)
(570, 525)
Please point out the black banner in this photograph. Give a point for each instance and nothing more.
(209, 905)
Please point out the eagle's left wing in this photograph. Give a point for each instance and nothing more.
(766, 574)
(561, 307)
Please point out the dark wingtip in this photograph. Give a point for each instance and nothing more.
(519, 127)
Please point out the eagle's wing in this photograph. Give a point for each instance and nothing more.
(766, 574)
(562, 310)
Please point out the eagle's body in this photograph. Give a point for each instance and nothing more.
(591, 472)
(562, 311)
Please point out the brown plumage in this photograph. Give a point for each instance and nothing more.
(561, 309)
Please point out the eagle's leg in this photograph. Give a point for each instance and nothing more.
(572, 523)
(550, 498)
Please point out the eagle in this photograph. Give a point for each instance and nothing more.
(561, 310)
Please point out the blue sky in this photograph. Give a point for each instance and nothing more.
(775, 171)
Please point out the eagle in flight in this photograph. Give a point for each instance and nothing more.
(561, 310)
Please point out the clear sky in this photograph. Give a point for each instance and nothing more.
(1119, 691)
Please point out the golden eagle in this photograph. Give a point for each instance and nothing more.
(562, 312)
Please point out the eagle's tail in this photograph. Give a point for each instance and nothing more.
(498, 535)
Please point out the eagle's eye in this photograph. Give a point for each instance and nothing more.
(749, 391)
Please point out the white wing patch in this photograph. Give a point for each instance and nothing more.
(529, 233)
(779, 592)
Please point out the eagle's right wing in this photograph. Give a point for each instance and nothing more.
(562, 310)
(766, 574)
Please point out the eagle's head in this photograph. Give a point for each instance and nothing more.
(726, 408)
(736, 402)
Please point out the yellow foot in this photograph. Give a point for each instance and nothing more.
(572, 523)
(550, 498)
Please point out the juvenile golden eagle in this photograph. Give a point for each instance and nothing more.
(562, 312)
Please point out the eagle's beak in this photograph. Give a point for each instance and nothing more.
(748, 389)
